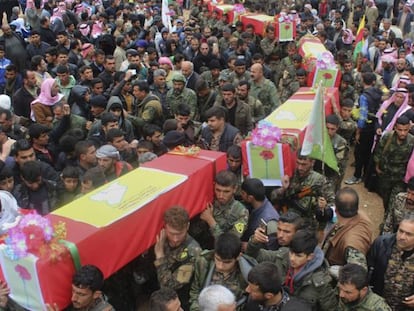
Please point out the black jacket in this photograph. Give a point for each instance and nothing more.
(377, 260)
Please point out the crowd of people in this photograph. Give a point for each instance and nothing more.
(91, 89)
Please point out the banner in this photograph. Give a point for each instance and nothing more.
(23, 281)
(121, 197)
(266, 164)
(317, 144)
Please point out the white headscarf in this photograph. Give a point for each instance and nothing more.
(9, 211)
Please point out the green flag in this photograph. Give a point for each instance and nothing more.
(317, 144)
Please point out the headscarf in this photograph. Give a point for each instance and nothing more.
(403, 108)
(45, 96)
(9, 211)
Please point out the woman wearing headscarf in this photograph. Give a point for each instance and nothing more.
(41, 108)
(9, 211)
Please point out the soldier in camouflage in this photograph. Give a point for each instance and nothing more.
(269, 43)
(307, 193)
(175, 253)
(180, 94)
(225, 214)
(225, 265)
(347, 126)
(354, 292)
(391, 265)
(341, 150)
(263, 89)
(346, 90)
(240, 72)
(256, 106)
(391, 158)
(400, 204)
(212, 76)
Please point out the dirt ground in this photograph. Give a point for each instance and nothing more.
(369, 202)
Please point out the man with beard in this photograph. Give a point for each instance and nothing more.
(25, 95)
(191, 128)
(391, 158)
(256, 106)
(403, 202)
(391, 265)
(238, 112)
(219, 135)
(354, 292)
(160, 89)
(87, 284)
(315, 203)
(181, 94)
(400, 68)
(265, 289)
(176, 252)
(15, 47)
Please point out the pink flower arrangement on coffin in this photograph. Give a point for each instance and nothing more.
(34, 234)
(325, 61)
(266, 135)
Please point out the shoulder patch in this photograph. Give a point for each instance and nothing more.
(239, 227)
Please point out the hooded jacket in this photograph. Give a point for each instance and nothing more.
(123, 124)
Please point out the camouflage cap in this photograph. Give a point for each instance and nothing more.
(224, 76)
(178, 77)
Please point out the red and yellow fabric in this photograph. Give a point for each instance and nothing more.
(110, 245)
(292, 118)
(259, 22)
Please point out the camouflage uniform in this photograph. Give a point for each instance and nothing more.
(288, 87)
(256, 107)
(347, 129)
(212, 83)
(232, 217)
(392, 159)
(314, 287)
(371, 302)
(397, 208)
(205, 103)
(187, 96)
(205, 274)
(245, 76)
(175, 270)
(308, 204)
(348, 92)
(341, 150)
(399, 281)
(269, 46)
(266, 92)
(223, 44)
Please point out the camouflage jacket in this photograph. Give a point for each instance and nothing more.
(308, 204)
(347, 129)
(266, 92)
(399, 279)
(205, 274)
(392, 157)
(312, 283)
(396, 212)
(176, 268)
(341, 150)
(256, 108)
(269, 46)
(371, 302)
(232, 217)
(187, 96)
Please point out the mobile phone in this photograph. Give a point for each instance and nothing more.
(133, 72)
(263, 225)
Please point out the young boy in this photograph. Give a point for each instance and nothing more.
(347, 125)
(69, 186)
